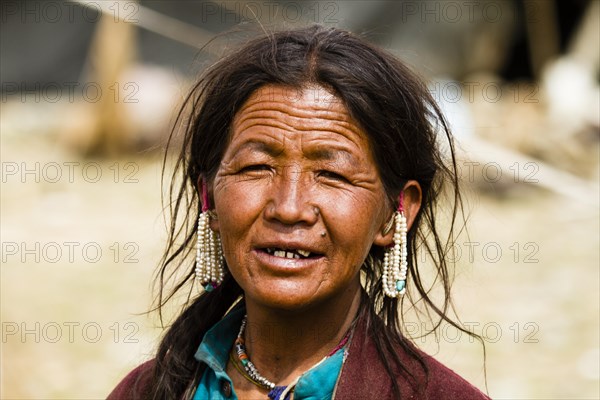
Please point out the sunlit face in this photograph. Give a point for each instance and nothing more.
(299, 199)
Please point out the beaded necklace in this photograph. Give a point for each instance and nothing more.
(251, 373)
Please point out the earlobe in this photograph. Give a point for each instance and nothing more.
(385, 235)
(213, 221)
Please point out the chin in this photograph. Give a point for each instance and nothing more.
(285, 296)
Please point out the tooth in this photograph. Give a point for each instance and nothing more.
(303, 253)
(289, 255)
(296, 256)
(279, 253)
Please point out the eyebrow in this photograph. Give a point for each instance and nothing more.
(315, 153)
(330, 154)
(260, 146)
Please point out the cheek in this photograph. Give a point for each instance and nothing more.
(238, 205)
(352, 222)
(236, 201)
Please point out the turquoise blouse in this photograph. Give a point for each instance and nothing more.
(317, 383)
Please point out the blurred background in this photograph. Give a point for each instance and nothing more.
(89, 90)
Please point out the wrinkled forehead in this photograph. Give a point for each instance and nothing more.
(310, 109)
(308, 101)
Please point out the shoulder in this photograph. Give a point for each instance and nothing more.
(444, 383)
(419, 376)
(134, 384)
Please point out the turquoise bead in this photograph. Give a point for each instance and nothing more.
(400, 285)
(244, 362)
(209, 287)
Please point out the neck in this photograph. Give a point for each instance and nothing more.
(283, 345)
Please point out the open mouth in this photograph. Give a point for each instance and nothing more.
(290, 253)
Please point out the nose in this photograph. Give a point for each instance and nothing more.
(289, 200)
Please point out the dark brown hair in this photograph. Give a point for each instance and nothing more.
(403, 124)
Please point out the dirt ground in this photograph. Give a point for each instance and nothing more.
(81, 238)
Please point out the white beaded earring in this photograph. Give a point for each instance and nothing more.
(209, 254)
(395, 264)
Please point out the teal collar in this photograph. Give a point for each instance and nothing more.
(214, 349)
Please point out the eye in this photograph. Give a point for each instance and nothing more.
(332, 176)
(255, 168)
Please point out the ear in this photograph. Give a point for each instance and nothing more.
(205, 196)
(412, 205)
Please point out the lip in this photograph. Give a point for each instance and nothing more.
(289, 245)
(287, 264)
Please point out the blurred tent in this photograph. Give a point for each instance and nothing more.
(44, 42)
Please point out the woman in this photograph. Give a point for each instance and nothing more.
(311, 164)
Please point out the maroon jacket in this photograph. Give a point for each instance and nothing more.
(363, 377)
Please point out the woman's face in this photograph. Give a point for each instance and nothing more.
(299, 199)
